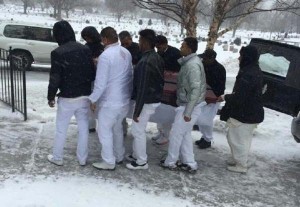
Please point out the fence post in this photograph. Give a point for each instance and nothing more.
(24, 93)
(11, 81)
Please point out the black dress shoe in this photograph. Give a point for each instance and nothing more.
(92, 130)
(198, 142)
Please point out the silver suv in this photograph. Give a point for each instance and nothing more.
(32, 42)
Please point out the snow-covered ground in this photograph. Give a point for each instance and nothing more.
(27, 179)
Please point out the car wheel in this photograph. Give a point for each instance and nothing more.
(26, 57)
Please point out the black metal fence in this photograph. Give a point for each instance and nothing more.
(13, 82)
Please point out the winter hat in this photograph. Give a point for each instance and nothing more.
(209, 54)
(63, 32)
(249, 55)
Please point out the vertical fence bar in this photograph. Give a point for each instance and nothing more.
(12, 82)
(24, 95)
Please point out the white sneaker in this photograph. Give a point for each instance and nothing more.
(56, 162)
(83, 163)
(237, 168)
(162, 141)
(231, 162)
(134, 166)
(104, 166)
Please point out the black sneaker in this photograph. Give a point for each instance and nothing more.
(187, 168)
(204, 144)
(198, 142)
(170, 167)
(134, 166)
(92, 130)
(130, 158)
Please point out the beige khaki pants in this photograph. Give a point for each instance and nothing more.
(239, 137)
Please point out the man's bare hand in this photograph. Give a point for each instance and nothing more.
(93, 107)
(187, 119)
(51, 103)
(220, 99)
(135, 118)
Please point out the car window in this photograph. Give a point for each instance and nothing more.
(277, 65)
(29, 33)
(15, 31)
(42, 34)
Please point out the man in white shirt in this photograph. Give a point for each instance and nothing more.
(112, 92)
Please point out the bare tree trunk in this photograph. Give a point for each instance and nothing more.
(234, 31)
(298, 24)
(181, 29)
(190, 22)
(58, 15)
(67, 13)
(119, 17)
(216, 22)
(25, 6)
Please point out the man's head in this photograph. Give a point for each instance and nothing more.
(208, 57)
(125, 38)
(248, 55)
(109, 36)
(147, 39)
(161, 43)
(63, 32)
(90, 34)
(189, 46)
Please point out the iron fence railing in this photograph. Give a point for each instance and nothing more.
(13, 82)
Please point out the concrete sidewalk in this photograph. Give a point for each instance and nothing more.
(24, 149)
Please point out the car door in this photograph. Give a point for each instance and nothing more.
(42, 43)
(281, 69)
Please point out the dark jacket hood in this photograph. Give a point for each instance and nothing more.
(63, 32)
(249, 55)
(92, 33)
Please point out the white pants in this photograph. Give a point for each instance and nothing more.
(67, 107)
(205, 120)
(239, 137)
(180, 139)
(138, 131)
(110, 133)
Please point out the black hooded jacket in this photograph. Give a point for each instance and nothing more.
(72, 68)
(245, 102)
(170, 57)
(95, 46)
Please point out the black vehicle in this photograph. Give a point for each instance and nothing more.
(280, 64)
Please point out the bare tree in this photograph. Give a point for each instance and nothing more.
(68, 5)
(119, 7)
(57, 7)
(181, 11)
(26, 4)
(226, 9)
(1, 1)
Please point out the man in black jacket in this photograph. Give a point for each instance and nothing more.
(243, 109)
(132, 47)
(169, 54)
(148, 83)
(215, 80)
(72, 72)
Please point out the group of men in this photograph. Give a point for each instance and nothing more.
(127, 76)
